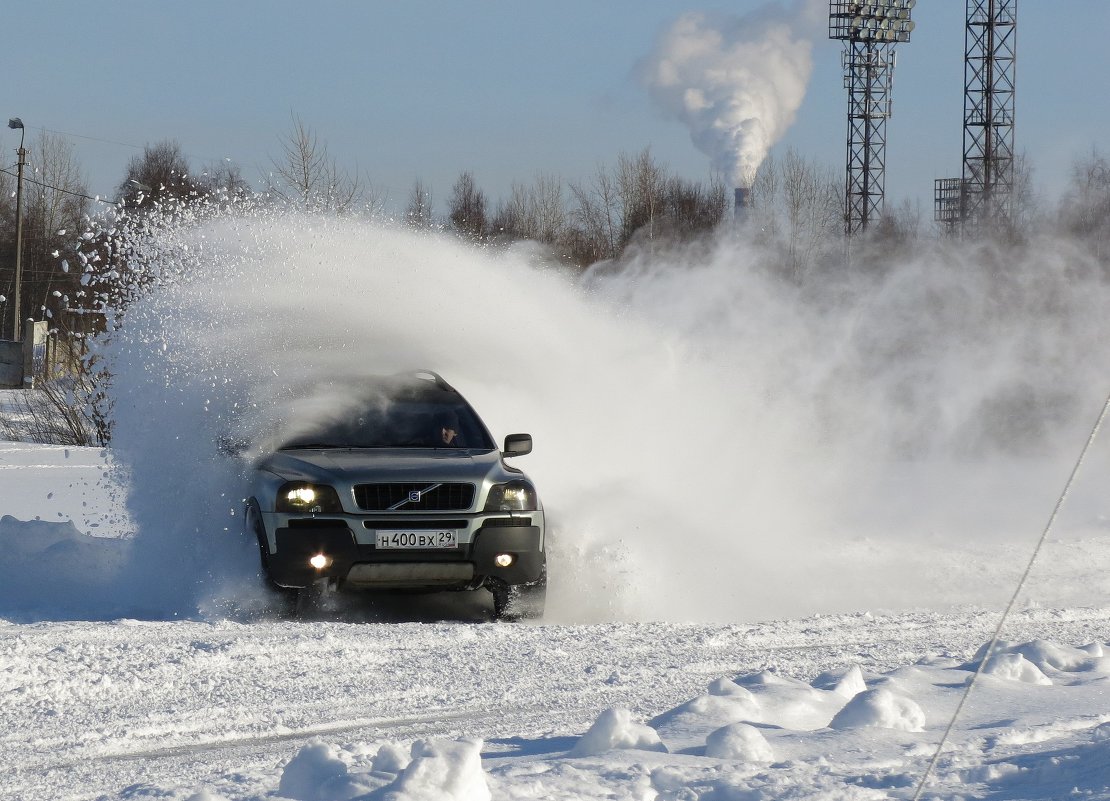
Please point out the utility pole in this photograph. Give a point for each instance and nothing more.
(17, 328)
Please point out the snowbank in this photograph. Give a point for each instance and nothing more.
(793, 757)
(615, 729)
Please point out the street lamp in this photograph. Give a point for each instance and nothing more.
(17, 329)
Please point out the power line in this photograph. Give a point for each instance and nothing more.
(121, 144)
(98, 198)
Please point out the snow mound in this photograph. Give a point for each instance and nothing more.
(1049, 656)
(317, 774)
(741, 742)
(724, 686)
(764, 698)
(615, 729)
(1014, 667)
(709, 712)
(792, 703)
(882, 709)
(846, 683)
(390, 759)
(442, 770)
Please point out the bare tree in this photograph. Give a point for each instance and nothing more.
(1085, 208)
(160, 173)
(641, 186)
(224, 180)
(54, 204)
(305, 173)
(692, 209)
(1027, 212)
(418, 212)
(811, 200)
(468, 208)
(596, 218)
(796, 211)
(535, 211)
(765, 201)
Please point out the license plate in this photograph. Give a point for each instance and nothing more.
(399, 539)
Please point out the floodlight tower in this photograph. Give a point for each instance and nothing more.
(869, 31)
(990, 58)
(983, 196)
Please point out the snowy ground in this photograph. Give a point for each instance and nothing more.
(364, 703)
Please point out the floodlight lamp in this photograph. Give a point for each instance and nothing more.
(910, 4)
(909, 26)
(15, 123)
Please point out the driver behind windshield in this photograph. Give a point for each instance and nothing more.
(446, 432)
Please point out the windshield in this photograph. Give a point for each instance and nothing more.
(401, 423)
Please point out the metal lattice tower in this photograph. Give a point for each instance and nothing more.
(983, 196)
(870, 31)
(990, 55)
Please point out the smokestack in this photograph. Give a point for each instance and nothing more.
(743, 203)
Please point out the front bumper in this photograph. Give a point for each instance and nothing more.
(360, 565)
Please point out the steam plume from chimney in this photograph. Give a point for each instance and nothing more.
(737, 82)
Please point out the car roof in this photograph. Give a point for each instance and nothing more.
(414, 384)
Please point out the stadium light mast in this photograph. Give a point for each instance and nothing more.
(869, 30)
(983, 196)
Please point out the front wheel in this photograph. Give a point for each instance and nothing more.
(253, 524)
(519, 601)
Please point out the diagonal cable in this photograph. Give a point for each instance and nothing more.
(1013, 599)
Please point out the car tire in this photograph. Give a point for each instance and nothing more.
(309, 601)
(514, 602)
(253, 523)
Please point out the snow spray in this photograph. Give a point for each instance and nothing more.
(712, 443)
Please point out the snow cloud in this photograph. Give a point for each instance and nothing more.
(712, 443)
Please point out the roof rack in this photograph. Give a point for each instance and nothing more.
(427, 375)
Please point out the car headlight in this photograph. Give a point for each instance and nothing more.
(299, 497)
(516, 496)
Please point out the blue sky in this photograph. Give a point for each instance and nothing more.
(426, 89)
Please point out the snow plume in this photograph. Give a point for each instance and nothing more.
(737, 82)
(712, 442)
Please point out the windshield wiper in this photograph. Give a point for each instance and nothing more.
(310, 446)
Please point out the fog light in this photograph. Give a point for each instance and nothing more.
(320, 561)
(503, 559)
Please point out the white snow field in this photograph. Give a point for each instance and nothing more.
(783, 519)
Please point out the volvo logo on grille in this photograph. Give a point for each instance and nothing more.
(416, 496)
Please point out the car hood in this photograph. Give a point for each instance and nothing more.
(367, 465)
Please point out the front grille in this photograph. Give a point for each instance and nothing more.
(414, 497)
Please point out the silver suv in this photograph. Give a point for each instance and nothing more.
(405, 492)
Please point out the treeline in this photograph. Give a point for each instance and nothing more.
(635, 205)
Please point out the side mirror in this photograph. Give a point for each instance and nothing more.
(517, 445)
